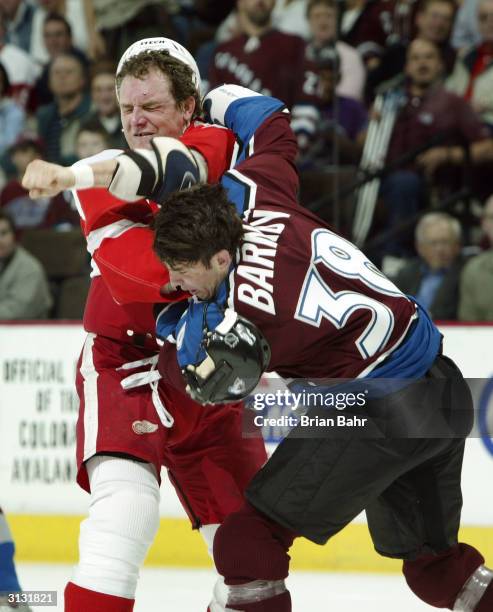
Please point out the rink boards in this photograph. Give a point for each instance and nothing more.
(38, 411)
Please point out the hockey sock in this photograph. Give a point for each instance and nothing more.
(251, 552)
(8, 575)
(438, 579)
(78, 599)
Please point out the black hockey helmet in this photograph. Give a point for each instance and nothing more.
(237, 355)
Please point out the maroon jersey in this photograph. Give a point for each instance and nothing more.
(270, 64)
(311, 292)
(438, 112)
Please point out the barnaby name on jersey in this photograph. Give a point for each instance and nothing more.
(257, 259)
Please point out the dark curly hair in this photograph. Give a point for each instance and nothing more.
(195, 224)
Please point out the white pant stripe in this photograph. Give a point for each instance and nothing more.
(90, 376)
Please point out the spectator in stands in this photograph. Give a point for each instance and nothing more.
(332, 129)
(12, 117)
(80, 15)
(371, 25)
(261, 58)
(24, 291)
(57, 36)
(434, 22)
(106, 111)
(433, 277)
(322, 18)
(22, 70)
(430, 112)
(18, 16)
(472, 77)
(476, 285)
(91, 139)
(57, 212)
(59, 122)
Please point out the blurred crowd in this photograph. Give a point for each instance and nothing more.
(391, 101)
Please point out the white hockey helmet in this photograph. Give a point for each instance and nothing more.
(162, 44)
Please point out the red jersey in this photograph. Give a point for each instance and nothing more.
(120, 242)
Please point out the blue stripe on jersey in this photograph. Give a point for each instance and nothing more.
(245, 115)
(190, 328)
(414, 357)
(168, 318)
(238, 192)
(8, 576)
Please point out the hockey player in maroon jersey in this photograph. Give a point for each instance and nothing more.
(127, 430)
(273, 288)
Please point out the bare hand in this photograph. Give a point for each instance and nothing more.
(43, 179)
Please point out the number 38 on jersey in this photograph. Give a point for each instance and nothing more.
(318, 300)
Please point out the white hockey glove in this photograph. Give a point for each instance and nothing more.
(217, 101)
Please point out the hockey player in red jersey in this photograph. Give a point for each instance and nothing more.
(274, 288)
(127, 430)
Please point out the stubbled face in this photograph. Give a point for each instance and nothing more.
(7, 239)
(148, 109)
(103, 94)
(257, 12)
(323, 24)
(197, 279)
(435, 22)
(66, 76)
(439, 245)
(424, 64)
(56, 38)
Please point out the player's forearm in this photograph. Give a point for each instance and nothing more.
(97, 174)
(131, 176)
(44, 179)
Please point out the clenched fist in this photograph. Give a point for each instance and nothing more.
(43, 179)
